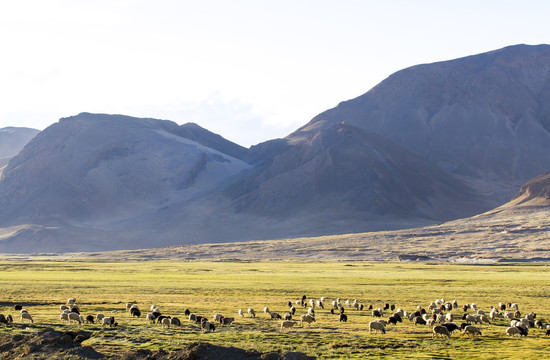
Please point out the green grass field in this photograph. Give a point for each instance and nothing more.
(225, 287)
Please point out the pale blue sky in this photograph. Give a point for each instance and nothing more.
(249, 70)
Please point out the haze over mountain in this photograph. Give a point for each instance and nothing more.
(12, 140)
(431, 143)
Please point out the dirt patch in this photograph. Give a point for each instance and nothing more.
(53, 344)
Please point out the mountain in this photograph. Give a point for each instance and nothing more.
(97, 170)
(431, 143)
(350, 172)
(536, 190)
(484, 117)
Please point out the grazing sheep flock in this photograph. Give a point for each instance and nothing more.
(438, 318)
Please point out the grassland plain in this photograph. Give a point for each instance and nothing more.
(209, 287)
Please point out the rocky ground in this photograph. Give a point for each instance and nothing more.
(52, 344)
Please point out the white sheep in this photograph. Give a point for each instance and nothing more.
(150, 318)
(227, 320)
(153, 307)
(129, 306)
(71, 301)
(430, 322)
(514, 307)
(252, 312)
(310, 311)
(307, 318)
(266, 310)
(241, 313)
(449, 317)
(471, 330)
(64, 316)
(287, 324)
(166, 323)
(217, 317)
(377, 326)
(26, 316)
(108, 321)
(74, 317)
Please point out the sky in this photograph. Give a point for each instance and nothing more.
(249, 70)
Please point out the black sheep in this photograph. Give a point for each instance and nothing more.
(463, 325)
(90, 319)
(416, 313)
(159, 319)
(343, 318)
(547, 332)
(289, 304)
(451, 326)
(502, 307)
(292, 310)
(75, 309)
(419, 320)
(156, 314)
(9, 318)
(199, 319)
(398, 317)
(370, 307)
(466, 307)
(361, 307)
(392, 320)
(386, 307)
(3, 319)
(18, 307)
(135, 312)
(175, 321)
(332, 311)
(376, 313)
(522, 331)
(186, 312)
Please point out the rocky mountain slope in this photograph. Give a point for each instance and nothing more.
(432, 143)
(12, 140)
(485, 117)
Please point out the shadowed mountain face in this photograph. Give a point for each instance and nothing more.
(486, 117)
(348, 171)
(13, 139)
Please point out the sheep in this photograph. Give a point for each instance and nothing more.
(192, 317)
(266, 310)
(483, 318)
(275, 316)
(513, 330)
(109, 321)
(502, 306)
(64, 316)
(312, 303)
(471, 319)
(227, 320)
(150, 318)
(287, 316)
(292, 310)
(166, 321)
(199, 319)
(320, 303)
(175, 321)
(517, 314)
(9, 318)
(474, 306)
(394, 319)
(90, 319)
(217, 317)
(430, 322)
(307, 318)
(62, 307)
(26, 316)
(508, 315)
(311, 311)
(17, 307)
(449, 317)
(471, 330)
(75, 308)
(377, 327)
(287, 324)
(186, 312)
(440, 330)
(135, 312)
(419, 320)
(74, 317)
(451, 326)
(514, 307)
(71, 301)
(539, 324)
(3, 319)
(377, 313)
(153, 307)
(343, 318)
(99, 317)
(161, 318)
(207, 326)
(252, 312)
(241, 313)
